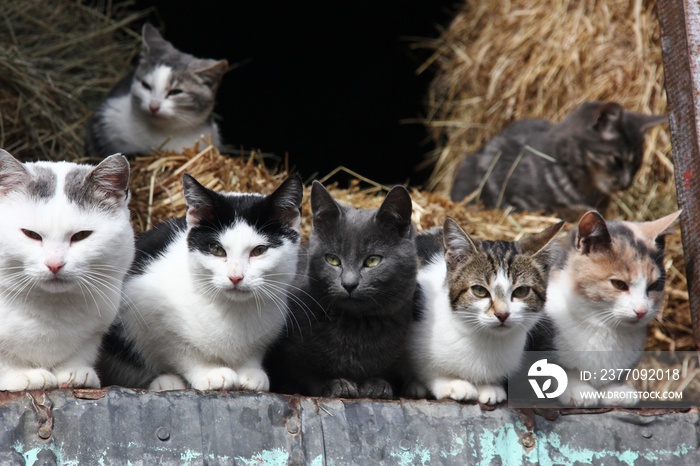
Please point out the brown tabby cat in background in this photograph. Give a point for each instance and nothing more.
(565, 168)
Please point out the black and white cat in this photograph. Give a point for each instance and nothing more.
(208, 293)
(479, 300)
(66, 244)
(569, 167)
(166, 102)
(354, 302)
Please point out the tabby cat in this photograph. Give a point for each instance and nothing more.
(478, 301)
(165, 102)
(566, 168)
(354, 303)
(606, 286)
(66, 244)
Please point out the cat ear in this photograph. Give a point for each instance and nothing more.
(212, 70)
(323, 206)
(111, 176)
(645, 122)
(532, 245)
(458, 244)
(286, 201)
(152, 43)
(592, 234)
(659, 227)
(608, 119)
(200, 205)
(395, 211)
(13, 173)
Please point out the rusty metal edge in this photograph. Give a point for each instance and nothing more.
(679, 22)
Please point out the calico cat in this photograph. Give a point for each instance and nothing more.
(66, 244)
(606, 285)
(207, 294)
(594, 152)
(354, 302)
(479, 300)
(165, 102)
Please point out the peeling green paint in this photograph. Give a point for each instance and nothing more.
(503, 444)
(188, 456)
(274, 457)
(416, 455)
(318, 461)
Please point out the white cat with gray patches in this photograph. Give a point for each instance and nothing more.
(479, 300)
(606, 286)
(207, 294)
(165, 102)
(66, 244)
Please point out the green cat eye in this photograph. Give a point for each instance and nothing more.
(217, 250)
(619, 285)
(333, 260)
(521, 292)
(480, 292)
(258, 251)
(373, 261)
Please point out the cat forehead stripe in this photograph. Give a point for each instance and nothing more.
(43, 183)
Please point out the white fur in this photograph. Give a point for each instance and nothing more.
(460, 359)
(186, 316)
(50, 330)
(133, 129)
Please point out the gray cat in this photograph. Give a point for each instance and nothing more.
(351, 314)
(165, 102)
(575, 165)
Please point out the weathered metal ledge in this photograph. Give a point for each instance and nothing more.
(119, 426)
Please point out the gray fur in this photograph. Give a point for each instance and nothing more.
(104, 187)
(43, 184)
(597, 151)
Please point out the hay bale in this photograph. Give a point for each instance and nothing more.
(58, 60)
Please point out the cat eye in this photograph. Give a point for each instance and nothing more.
(480, 292)
(521, 292)
(258, 251)
(32, 234)
(146, 85)
(333, 260)
(619, 285)
(658, 285)
(172, 92)
(372, 261)
(217, 250)
(81, 235)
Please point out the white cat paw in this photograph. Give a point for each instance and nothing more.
(78, 377)
(31, 379)
(619, 395)
(457, 389)
(491, 394)
(220, 378)
(580, 395)
(167, 382)
(415, 389)
(252, 378)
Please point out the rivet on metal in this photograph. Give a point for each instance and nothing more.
(527, 441)
(163, 434)
(647, 434)
(44, 432)
(405, 445)
(293, 427)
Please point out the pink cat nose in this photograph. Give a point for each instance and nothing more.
(235, 279)
(54, 267)
(640, 313)
(154, 107)
(502, 316)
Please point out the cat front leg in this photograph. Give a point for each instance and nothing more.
(251, 376)
(457, 389)
(340, 388)
(166, 382)
(79, 372)
(375, 388)
(491, 394)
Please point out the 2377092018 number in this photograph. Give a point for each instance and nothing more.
(615, 375)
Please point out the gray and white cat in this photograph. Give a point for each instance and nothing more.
(479, 301)
(354, 302)
(66, 244)
(165, 102)
(207, 294)
(605, 287)
(594, 152)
